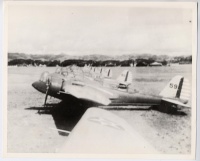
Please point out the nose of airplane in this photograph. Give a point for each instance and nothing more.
(40, 86)
(34, 85)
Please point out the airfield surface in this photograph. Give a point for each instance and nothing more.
(31, 132)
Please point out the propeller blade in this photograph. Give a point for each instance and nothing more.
(47, 92)
(46, 97)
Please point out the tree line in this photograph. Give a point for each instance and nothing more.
(81, 63)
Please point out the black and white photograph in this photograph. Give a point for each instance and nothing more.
(100, 79)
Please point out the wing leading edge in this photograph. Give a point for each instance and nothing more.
(88, 93)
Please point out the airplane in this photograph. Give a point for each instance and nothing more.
(97, 72)
(74, 82)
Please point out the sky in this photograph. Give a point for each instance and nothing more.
(106, 30)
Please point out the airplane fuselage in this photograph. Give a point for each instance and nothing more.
(117, 97)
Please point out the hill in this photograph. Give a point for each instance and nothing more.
(62, 57)
(22, 59)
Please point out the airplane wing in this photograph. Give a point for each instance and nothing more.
(101, 132)
(89, 93)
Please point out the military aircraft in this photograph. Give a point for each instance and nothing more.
(97, 86)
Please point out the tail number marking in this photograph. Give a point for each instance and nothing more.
(171, 85)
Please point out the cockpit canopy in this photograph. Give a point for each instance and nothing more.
(71, 72)
(58, 70)
(44, 77)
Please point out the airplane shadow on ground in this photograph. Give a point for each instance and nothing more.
(129, 108)
(171, 111)
(66, 114)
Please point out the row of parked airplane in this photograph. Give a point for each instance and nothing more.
(99, 131)
(96, 85)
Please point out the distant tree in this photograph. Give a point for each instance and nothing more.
(21, 62)
(69, 62)
(53, 63)
(142, 62)
(154, 57)
(38, 62)
(151, 60)
(164, 62)
(111, 63)
(126, 63)
(189, 59)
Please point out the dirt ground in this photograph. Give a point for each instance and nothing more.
(31, 132)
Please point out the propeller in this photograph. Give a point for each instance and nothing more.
(47, 91)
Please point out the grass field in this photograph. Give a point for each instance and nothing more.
(30, 132)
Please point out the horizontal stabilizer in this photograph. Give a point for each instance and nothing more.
(125, 77)
(106, 73)
(177, 102)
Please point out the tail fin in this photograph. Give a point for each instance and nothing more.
(106, 73)
(122, 82)
(125, 77)
(178, 88)
(97, 72)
